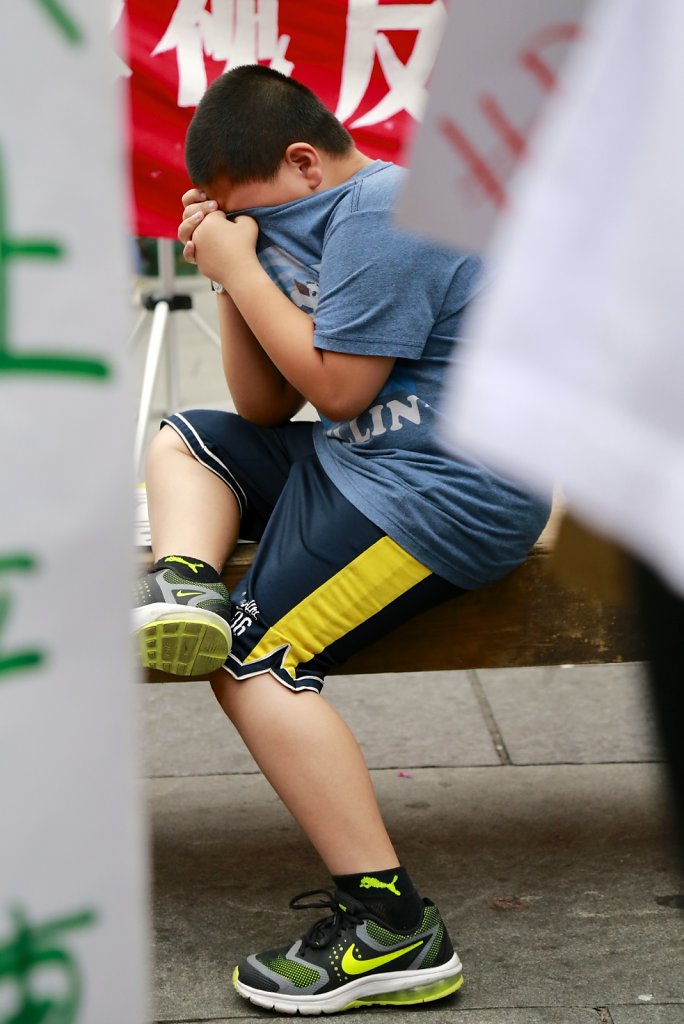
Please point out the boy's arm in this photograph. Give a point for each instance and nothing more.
(339, 385)
(258, 389)
(260, 392)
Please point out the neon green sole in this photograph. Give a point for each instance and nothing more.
(183, 647)
(411, 996)
(408, 997)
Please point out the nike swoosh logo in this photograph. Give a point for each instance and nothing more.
(351, 965)
(189, 593)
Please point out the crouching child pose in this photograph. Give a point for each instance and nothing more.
(362, 519)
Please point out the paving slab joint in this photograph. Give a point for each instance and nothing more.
(488, 715)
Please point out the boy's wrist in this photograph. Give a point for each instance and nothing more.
(245, 277)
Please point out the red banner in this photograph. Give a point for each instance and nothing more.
(368, 60)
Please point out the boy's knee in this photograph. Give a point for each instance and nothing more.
(164, 441)
(241, 697)
(224, 686)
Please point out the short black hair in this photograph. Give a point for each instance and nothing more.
(246, 120)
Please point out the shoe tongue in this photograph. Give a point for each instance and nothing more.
(349, 904)
(375, 910)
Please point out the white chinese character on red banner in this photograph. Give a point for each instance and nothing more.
(235, 31)
(368, 21)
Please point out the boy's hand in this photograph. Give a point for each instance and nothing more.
(224, 247)
(196, 206)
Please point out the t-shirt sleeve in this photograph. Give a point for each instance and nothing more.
(382, 289)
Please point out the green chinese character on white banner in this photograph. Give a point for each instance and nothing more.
(35, 961)
(45, 363)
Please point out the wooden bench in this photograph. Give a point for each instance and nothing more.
(528, 618)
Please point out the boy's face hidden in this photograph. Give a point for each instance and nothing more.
(299, 174)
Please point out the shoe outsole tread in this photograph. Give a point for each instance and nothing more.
(181, 647)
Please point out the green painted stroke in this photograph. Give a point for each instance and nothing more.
(45, 363)
(65, 23)
(16, 661)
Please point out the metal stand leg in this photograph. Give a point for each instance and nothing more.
(135, 333)
(172, 389)
(154, 349)
(208, 332)
(162, 333)
(166, 272)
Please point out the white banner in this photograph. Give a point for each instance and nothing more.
(72, 879)
(577, 363)
(497, 66)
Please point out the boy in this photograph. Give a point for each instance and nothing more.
(362, 519)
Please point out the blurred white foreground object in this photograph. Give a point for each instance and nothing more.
(577, 362)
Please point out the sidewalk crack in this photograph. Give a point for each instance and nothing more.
(488, 715)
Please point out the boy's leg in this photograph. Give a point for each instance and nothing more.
(191, 510)
(326, 581)
(360, 955)
(310, 757)
(209, 475)
(322, 584)
(183, 610)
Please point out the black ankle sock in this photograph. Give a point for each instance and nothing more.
(189, 568)
(388, 895)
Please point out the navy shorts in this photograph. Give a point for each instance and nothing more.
(325, 581)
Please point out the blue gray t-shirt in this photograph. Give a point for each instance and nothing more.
(373, 289)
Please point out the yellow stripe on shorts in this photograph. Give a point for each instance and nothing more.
(371, 582)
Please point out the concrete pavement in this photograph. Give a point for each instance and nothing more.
(555, 874)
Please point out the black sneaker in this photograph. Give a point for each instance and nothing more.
(182, 627)
(352, 959)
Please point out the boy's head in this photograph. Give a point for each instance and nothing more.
(249, 120)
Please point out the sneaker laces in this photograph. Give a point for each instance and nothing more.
(325, 931)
